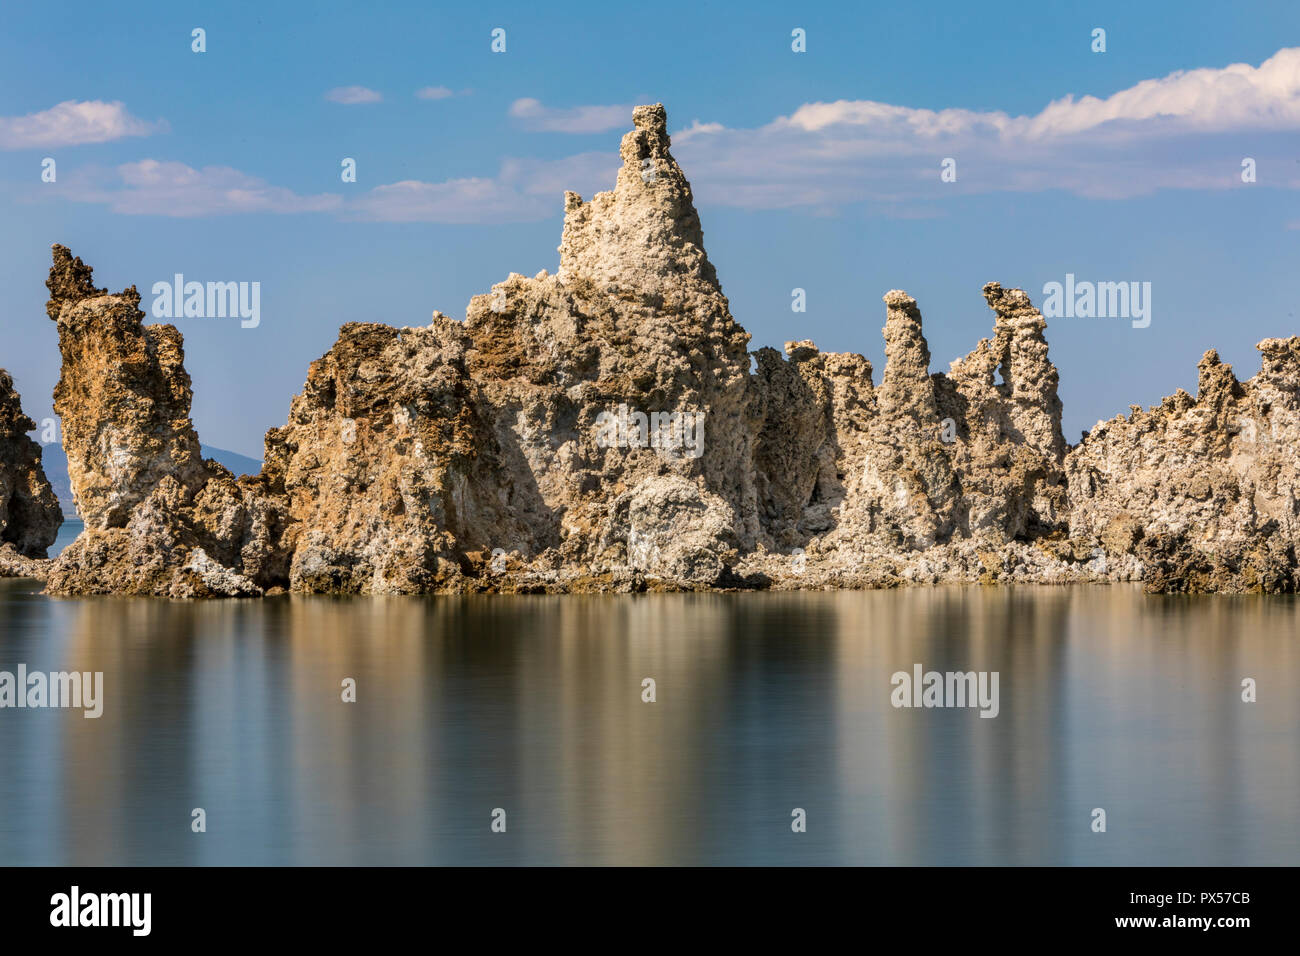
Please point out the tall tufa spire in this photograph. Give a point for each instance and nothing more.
(645, 235)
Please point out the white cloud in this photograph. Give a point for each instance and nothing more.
(582, 173)
(73, 123)
(1235, 97)
(351, 95)
(151, 187)
(434, 93)
(580, 119)
(451, 201)
(523, 191)
(1188, 130)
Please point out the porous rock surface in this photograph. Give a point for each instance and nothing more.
(29, 512)
(1199, 494)
(159, 519)
(601, 429)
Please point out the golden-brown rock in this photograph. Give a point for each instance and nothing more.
(159, 519)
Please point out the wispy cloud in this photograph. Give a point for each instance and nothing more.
(580, 119)
(73, 123)
(1187, 130)
(523, 191)
(450, 201)
(434, 93)
(153, 188)
(352, 95)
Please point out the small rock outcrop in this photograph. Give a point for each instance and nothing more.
(159, 518)
(29, 511)
(385, 467)
(1199, 494)
(601, 429)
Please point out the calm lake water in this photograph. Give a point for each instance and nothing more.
(765, 703)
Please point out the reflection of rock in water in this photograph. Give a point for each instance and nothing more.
(147, 739)
(913, 754)
(557, 685)
(765, 703)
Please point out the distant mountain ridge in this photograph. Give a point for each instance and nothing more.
(55, 463)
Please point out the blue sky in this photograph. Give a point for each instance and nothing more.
(225, 165)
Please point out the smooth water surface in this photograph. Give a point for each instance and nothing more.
(765, 703)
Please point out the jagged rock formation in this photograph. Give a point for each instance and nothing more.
(928, 477)
(159, 519)
(634, 317)
(413, 455)
(29, 512)
(600, 429)
(384, 464)
(1199, 494)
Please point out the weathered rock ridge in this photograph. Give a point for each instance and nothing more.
(1199, 494)
(601, 429)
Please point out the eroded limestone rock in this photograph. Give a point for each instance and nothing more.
(1199, 494)
(925, 460)
(600, 429)
(387, 469)
(146, 495)
(634, 319)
